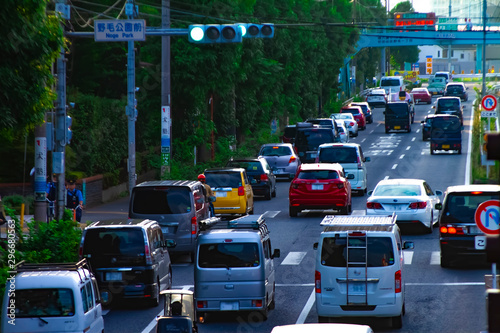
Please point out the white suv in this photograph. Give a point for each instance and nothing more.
(350, 156)
(359, 268)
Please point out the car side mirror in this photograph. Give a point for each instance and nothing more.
(350, 176)
(438, 206)
(423, 121)
(315, 246)
(408, 245)
(276, 254)
(169, 243)
(438, 192)
(370, 193)
(367, 159)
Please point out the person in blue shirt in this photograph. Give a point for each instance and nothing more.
(74, 199)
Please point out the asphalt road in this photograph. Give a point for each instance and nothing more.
(437, 299)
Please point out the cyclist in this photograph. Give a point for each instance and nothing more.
(74, 199)
(51, 197)
(209, 193)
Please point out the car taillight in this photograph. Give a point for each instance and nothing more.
(147, 254)
(360, 166)
(194, 226)
(201, 304)
(295, 185)
(317, 282)
(340, 185)
(351, 123)
(264, 177)
(397, 282)
(257, 303)
(373, 205)
(241, 191)
(452, 230)
(292, 159)
(418, 205)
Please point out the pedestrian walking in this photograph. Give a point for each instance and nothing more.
(74, 200)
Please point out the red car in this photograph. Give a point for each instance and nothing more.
(320, 186)
(358, 114)
(421, 95)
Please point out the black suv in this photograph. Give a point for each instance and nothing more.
(289, 134)
(451, 106)
(129, 259)
(260, 175)
(308, 140)
(457, 89)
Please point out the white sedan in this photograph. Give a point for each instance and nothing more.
(350, 123)
(343, 132)
(412, 200)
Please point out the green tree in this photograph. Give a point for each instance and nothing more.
(402, 54)
(30, 43)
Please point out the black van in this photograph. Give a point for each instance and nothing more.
(446, 133)
(308, 140)
(129, 258)
(397, 116)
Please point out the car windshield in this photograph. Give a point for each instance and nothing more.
(276, 151)
(391, 190)
(363, 107)
(448, 104)
(379, 249)
(51, 302)
(225, 255)
(162, 200)
(443, 75)
(389, 82)
(223, 179)
(462, 206)
(338, 155)
(343, 116)
(455, 88)
(318, 174)
(447, 124)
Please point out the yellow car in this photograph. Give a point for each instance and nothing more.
(232, 190)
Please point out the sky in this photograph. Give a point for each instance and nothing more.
(421, 6)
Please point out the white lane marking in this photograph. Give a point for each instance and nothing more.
(413, 139)
(372, 131)
(152, 324)
(294, 258)
(271, 213)
(422, 152)
(436, 258)
(401, 157)
(447, 284)
(417, 131)
(408, 257)
(358, 212)
(363, 140)
(394, 166)
(386, 177)
(408, 148)
(307, 308)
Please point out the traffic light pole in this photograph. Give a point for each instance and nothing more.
(130, 108)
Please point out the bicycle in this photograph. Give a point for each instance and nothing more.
(51, 210)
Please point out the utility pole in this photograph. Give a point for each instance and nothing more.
(40, 173)
(449, 46)
(483, 91)
(166, 119)
(130, 110)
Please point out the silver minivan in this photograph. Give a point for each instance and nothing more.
(177, 205)
(350, 156)
(234, 268)
(360, 268)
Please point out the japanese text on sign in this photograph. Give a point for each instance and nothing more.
(119, 30)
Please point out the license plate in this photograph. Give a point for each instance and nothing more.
(434, 92)
(446, 146)
(113, 276)
(480, 242)
(220, 194)
(229, 306)
(313, 155)
(278, 171)
(397, 127)
(357, 287)
(317, 187)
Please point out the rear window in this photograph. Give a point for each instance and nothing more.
(314, 137)
(461, 207)
(290, 132)
(455, 88)
(113, 241)
(338, 155)
(363, 107)
(448, 124)
(276, 151)
(52, 302)
(318, 174)
(249, 166)
(448, 104)
(223, 179)
(225, 255)
(446, 76)
(396, 109)
(352, 111)
(397, 190)
(390, 82)
(162, 200)
(380, 251)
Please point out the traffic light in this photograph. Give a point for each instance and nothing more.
(68, 134)
(491, 146)
(214, 33)
(252, 30)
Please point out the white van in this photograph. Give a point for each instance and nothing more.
(234, 268)
(392, 84)
(359, 268)
(445, 75)
(52, 298)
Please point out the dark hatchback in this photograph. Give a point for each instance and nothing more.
(397, 117)
(446, 133)
(457, 89)
(260, 175)
(449, 105)
(289, 134)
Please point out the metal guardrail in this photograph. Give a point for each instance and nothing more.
(362, 93)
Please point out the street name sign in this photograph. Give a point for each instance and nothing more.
(119, 30)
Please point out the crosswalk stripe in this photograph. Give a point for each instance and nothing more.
(408, 257)
(293, 258)
(271, 213)
(436, 258)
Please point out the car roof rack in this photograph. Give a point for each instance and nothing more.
(254, 222)
(363, 220)
(66, 266)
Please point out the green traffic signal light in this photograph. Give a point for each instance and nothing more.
(196, 33)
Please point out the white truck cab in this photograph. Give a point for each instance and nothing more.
(359, 268)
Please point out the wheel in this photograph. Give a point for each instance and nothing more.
(386, 131)
(397, 321)
(349, 208)
(429, 102)
(267, 196)
(272, 305)
(431, 228)
(432, 151)
(191, 256)
(409, 128)
(155, 301)
(459, 151)
(273, 194)
(251, 211)
(445, 260)
(344, 210)
(292, 211)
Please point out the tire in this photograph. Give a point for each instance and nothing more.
(292, 211)
(273, 194)
(267, 196)
(386, 131)
(432, 151)
(191, 257)
(429, 230)
(272, 305)
(397, 321)
(459, 152)
(155, 301)
(445, 260)
(251, 211)
(344, 210)
(349, 209)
